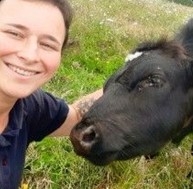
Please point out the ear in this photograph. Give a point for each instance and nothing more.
(185, 37)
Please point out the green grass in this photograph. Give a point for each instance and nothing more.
(102, 34)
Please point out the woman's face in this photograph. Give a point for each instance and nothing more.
(31, 38)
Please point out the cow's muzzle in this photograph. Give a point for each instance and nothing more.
(84, 139)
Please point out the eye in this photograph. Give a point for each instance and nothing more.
(151, 81)
(48, 46)
(14, 34)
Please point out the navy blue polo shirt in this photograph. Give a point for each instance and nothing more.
(31, 119)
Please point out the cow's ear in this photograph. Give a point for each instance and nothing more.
(185, 37)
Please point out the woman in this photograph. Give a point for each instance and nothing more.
(32, 36)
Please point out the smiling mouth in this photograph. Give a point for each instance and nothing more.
(21, 71)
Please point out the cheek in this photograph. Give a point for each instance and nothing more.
(6, 46)
(52, 63)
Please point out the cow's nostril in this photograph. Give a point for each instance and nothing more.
(89, 137)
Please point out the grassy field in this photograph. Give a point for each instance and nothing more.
(102, 34)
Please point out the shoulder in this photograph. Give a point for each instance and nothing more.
(42, 99)
(45, 114)
(42, 103)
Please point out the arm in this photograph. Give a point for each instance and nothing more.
(76, 112)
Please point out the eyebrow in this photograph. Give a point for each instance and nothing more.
(19, 26)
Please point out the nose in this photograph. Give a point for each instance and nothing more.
(29, 51)
(84, 140)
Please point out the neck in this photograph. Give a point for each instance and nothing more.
(4, 117)
(6, 105)
(3, 122)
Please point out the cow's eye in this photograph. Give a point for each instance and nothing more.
(150, 81)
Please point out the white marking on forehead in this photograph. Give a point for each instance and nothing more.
(131, 57)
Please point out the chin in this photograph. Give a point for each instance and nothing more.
(18, 94)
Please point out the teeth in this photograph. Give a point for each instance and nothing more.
(21, 71)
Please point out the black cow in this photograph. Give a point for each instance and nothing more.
(146, 104)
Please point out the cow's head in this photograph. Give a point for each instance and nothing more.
(145, 104)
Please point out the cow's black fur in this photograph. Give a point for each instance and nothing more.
(146, 104)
